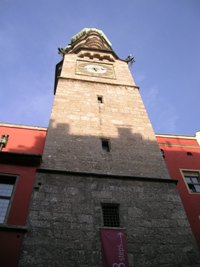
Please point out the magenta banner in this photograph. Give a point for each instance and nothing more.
(114, 248)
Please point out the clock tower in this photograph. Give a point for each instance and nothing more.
(97, 105)
(102, 170)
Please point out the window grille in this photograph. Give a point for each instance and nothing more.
(111, 215)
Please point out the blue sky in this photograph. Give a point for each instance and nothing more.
(163, 36)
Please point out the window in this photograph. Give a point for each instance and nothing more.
(163, 153)
(105, 145)
(110, 215)
(192, 179)
(6, 189)
(100, 99)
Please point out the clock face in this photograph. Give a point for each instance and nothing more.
(95, 69)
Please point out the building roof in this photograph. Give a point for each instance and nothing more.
(85, 31)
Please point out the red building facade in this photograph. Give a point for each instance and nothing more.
(21, 150)
(182, 156)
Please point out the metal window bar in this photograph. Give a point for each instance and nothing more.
(111, 215)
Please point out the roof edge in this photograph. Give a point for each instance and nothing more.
(176, 136)
(23, 126)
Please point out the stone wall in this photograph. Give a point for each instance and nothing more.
(78, 122)
(66, 216)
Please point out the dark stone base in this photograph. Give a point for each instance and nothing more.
(66, 216)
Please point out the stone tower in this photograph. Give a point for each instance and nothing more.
(102, 168)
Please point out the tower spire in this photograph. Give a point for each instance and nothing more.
(88, 38)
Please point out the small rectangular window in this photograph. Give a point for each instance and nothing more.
(192, 179)
(6, 189)
(105, 144)
(100, 99)
(111, 215)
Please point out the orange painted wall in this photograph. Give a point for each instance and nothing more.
(28, 141)
(24, 139)
(176, 158)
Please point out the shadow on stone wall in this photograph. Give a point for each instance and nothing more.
(117, 151)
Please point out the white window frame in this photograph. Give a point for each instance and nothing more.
(191, 173)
